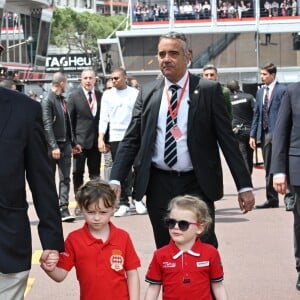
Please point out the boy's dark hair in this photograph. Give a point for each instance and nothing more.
(94, 190)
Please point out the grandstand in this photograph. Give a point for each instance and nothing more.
(234, 41)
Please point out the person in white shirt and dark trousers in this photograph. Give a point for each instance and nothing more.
(116, 110)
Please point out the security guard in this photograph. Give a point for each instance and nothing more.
(242, 112)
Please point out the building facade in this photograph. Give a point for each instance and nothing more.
(25, 32)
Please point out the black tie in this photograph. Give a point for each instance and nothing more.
(265, 110)
(90, 97)
(170, 155)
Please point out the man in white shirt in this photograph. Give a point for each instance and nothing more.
(116, 110)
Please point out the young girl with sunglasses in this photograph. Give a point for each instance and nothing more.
(186, 268)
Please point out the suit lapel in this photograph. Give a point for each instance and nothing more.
(98, 98)
(273, 95)
(194, 81)
(194, 94)
(156, 100)
(85, 102)
(5, 111)
(260, 96)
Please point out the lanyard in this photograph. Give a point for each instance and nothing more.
(173, 113)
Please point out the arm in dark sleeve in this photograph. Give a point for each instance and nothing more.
(130, 145)
(48, 123)
(40, 177)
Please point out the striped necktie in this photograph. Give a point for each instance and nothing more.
(170, 155)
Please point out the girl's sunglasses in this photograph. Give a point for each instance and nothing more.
(182, 224)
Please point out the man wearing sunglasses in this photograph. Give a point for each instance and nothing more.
(178, 123)
(116, 110)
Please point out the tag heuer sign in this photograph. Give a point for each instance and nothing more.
(70, 63)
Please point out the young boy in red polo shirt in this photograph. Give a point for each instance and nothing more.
(186, 268)
(103, 255)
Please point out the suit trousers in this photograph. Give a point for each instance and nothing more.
(296, 213)
(126, 185)
(64, 170)
(93, 159)
(271, 194)
(13, 285)
(164, 186)
(246, 151)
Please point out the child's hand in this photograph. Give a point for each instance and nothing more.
(49, 259)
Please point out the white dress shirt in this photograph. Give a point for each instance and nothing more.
(183, 163)
(93, 105)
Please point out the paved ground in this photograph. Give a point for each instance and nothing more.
(256, 248)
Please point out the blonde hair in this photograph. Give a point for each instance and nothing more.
(194, 204)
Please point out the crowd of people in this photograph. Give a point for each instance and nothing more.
(169, 134)
(195, 10)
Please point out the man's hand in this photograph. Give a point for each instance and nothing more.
(77, 149)
(246, 201)
(49, 259)
(56, 154)
(101, 145)
(252, 143)
(117, 189)
(280, 184)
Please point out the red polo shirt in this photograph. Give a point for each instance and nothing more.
(100, 267)
(186, 275)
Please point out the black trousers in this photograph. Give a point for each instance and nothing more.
(64, 169)
(161, 189)
(246, 151)
(93, 159)
(126, 186)
(296, 212)
(271, 194)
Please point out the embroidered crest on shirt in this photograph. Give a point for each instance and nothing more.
(117, 260)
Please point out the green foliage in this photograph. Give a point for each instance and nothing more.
(73, 29)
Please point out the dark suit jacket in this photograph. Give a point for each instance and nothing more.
(286, 138)
(23, 149)
(256, 127)
(208, 126)
(85, 125)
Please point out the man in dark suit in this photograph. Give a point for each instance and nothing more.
(268, 100)
(84, 108)
(285, 162)
(177, 124)
(23, 155)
